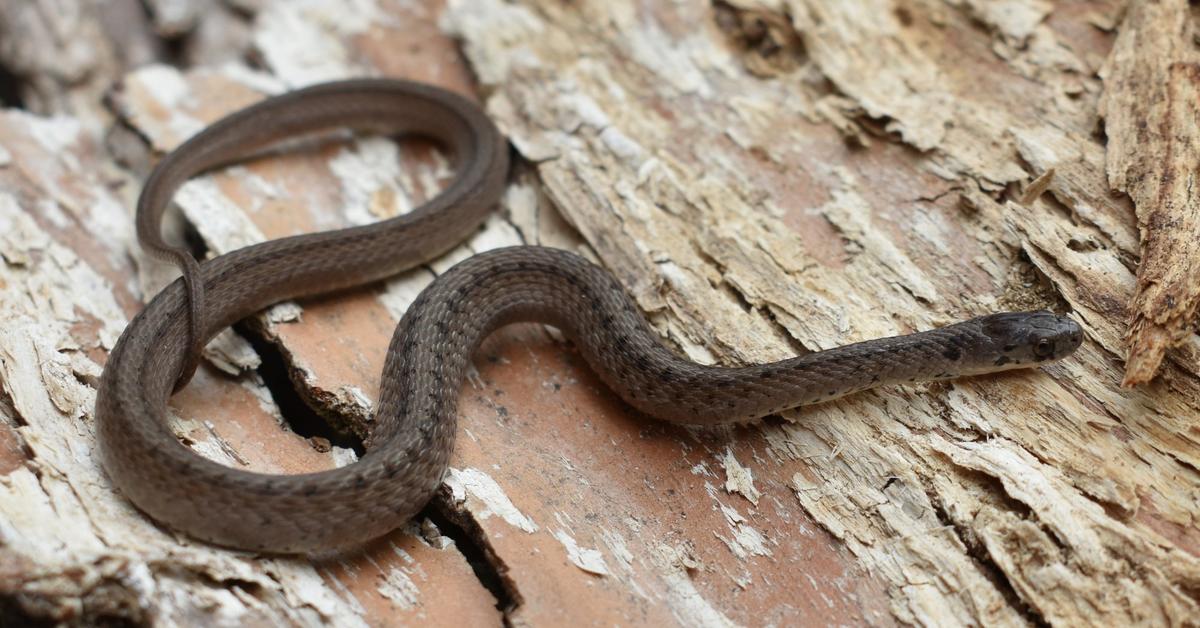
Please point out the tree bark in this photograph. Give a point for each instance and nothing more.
(1152, 118)
(766, 178)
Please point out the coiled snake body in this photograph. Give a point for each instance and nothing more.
(431, 350)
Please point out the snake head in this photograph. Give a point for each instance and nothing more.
(1022, 339)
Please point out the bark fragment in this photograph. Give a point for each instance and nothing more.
(1151, 107)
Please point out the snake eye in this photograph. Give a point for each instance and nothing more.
(1044, 348)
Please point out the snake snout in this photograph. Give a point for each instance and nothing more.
(1070, 337)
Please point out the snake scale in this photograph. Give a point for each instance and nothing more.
(431, 350)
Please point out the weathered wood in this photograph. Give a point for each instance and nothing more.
(1000, 499)
(71, 549)
(1151, 107)
(67, 54)
(766, 177)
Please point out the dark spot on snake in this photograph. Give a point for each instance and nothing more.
(952, 353)
(310, 490)
(874, 379)
(765, 375)
(832, 393)
(1002, 360)
(1009, 347)
(360, 482)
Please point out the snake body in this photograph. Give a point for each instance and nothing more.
(430, 352)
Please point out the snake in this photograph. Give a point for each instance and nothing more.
(414, 420)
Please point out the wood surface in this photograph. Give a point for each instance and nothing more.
(767, 178)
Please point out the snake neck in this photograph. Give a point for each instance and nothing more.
(684, 392)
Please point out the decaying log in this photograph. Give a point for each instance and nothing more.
(766, 177)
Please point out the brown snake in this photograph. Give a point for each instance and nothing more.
(431, 350)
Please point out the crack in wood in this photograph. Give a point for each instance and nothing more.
(10, 89)
(987, 566)
(15, 610)
(472, 542)
(296, 405)
(768, 43)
